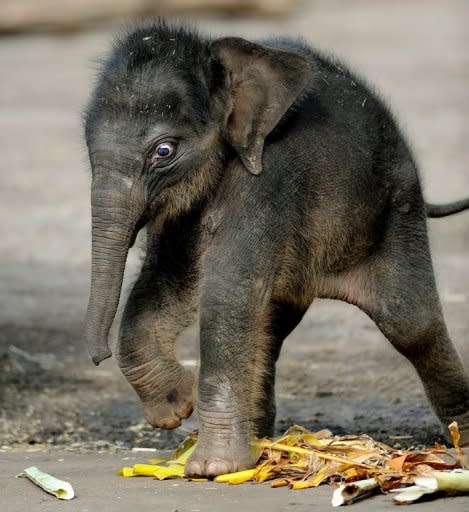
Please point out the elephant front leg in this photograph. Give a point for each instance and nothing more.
(235, 356)
(153, 318)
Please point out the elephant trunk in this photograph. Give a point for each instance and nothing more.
(114, 224)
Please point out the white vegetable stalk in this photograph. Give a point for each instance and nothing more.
(448, 481)
(58, 488)
(349, 493)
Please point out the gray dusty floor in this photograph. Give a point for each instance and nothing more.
(97, 488)
(336, 369)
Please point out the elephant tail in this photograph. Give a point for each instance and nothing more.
(443, 210)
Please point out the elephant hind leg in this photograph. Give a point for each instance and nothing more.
(396, 288)
(283, 318)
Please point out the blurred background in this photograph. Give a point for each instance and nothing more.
(336, 370)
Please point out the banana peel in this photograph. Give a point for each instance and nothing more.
(160, 472)
(239, 477)
(301, 459)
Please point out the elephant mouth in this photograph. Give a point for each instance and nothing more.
(140, 225)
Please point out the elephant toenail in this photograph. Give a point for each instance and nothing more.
(217, 468)
(193, 469)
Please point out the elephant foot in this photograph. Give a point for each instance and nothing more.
(166, 394)
(213, 458)
(175, 403)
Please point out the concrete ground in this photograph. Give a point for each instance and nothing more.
(336, 369)
(96, 486)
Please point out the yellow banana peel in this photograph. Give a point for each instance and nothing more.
(184, 456)
(170, 471)
(126, 472)
(145, 469)
(302, 459)
(239, 477)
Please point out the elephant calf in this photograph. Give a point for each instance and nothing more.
(265, 175)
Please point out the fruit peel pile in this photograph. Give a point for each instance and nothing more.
(358, 464)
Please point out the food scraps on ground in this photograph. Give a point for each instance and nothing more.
(357, 464)
(59, 488)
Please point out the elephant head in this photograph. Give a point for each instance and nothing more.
(168, 111)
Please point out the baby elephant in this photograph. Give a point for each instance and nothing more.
(265, 175)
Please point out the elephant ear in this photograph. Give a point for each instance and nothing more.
(263, 83)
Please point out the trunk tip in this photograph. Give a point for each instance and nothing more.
(100, 356)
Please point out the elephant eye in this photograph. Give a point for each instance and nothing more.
(162, 151)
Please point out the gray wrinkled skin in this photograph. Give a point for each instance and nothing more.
(287, 180)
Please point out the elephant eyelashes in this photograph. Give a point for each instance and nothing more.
(163, 151)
